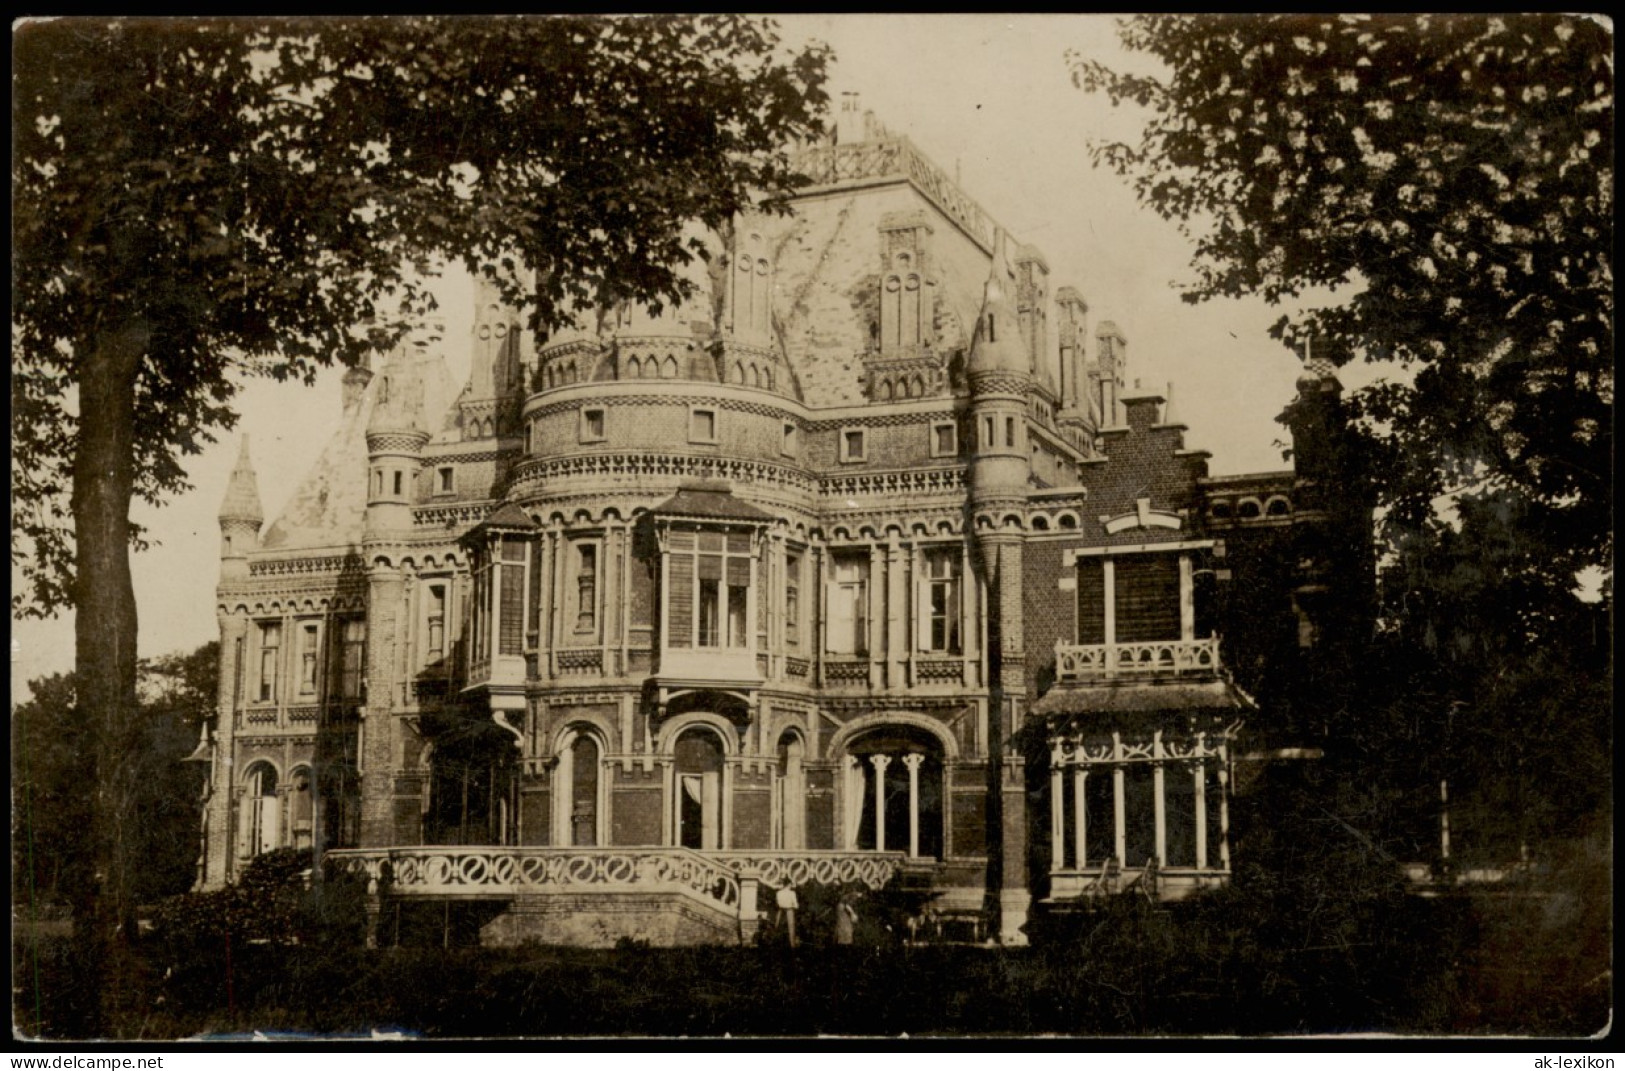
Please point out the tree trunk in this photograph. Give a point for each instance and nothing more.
(105, 651)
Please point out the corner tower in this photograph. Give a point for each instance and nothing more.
(396, 436)
(999, 371)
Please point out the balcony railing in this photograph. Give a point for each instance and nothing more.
(1150, 658)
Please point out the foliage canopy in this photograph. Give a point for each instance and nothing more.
(244, 193)
(1453, 176)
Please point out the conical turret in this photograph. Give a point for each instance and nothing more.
(396, 434)
(998, 346)
(1000, 378)
(240, 517)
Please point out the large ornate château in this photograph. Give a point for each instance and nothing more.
(863, 565)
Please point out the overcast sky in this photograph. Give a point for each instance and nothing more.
(988, 96)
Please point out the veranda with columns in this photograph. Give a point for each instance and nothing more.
(1104, 835)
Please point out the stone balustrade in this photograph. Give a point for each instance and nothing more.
(779, 869)
(1097, 661)
(499, 871)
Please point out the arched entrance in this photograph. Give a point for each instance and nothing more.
(894, 791)
(697, 814)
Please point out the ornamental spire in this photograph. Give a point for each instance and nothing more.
(242, 502)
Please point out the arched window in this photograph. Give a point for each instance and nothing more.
(894, 778)
(697, 809)
(260, 820)
(668, 370)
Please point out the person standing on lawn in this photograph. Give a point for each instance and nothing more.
(788, 903)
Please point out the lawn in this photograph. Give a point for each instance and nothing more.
(1443, 966)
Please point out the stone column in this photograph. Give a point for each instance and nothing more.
(1160, 810)
(880, 762)
(912, 761)
(1057, 813)
(897, 601)
(1119, 820)
(1224, 815)
(1080, 816)
(750, 919)
(1200, 778)
(874, 625)
(385, 594)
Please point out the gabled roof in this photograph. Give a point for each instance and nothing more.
(711, 501)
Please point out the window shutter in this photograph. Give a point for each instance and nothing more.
(922, 601)
(839, 636)
(1147, 597)
(1091, 601)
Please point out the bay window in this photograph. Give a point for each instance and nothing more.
(708, 579)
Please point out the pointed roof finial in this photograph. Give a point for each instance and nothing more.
(998, 346)
(398, 405)
(242, 501)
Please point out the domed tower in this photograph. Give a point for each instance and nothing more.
(1000, 376)
(240, 518)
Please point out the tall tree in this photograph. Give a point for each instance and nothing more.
(1450, 179)
(196, 197)
(51, 755)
